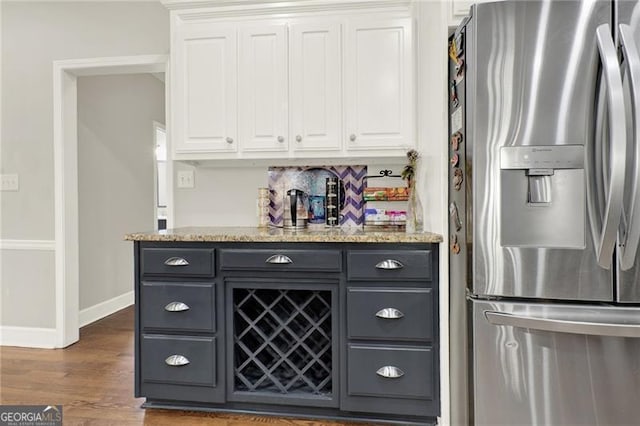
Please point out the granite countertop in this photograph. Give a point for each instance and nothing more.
(313, 235)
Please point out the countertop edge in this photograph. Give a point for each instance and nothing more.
(279, 236)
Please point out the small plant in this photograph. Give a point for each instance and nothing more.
(410, 169)
(415, 222)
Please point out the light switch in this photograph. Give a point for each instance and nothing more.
(185, 179)
(9, 183)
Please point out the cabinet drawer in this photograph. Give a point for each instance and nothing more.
(176, 262)
(178, 306)
(380, 313)
(389, 265)
(368, 366)
(178, 360)
(281, 260)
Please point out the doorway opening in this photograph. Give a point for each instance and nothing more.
(116, 184)
(67, 247)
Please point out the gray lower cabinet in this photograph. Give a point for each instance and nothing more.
(178, 368)
(178, 356)
(177, 262)
(179, 360)
(390, 313)
(285, 260)
(391, 339)
(389, 265)
(178, 306)
(345, 331)
(390, 371)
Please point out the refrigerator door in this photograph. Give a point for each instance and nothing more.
(537, 364)
(628, 276)
(532, 85)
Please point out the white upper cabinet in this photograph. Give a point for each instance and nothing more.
(458, 10)
(379, 85)
(263, 89)
(315, 101)
(306, 80)
(204, 89)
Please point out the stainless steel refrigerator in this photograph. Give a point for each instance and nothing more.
(544, 203)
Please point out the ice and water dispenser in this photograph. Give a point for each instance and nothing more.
(542, 196)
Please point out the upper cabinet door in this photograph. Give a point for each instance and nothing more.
(204, 94)
(263, 95)
(315, 91)
(458, 10)
(379, 85)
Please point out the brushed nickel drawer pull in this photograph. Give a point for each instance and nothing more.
(279, 259)
(176, 360)
(390, 372)
(389, 264)
(176, 307)
(389, 313)
(176, 261)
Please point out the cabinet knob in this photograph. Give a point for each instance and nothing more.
(176, 307)
(298, 138)
(176, 261)
(280, 139)
(389, 313)
(229, 140)
(390, 264)
(390, 372)
(352, 137)
(176, 360)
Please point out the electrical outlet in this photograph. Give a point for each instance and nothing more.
(185, 179)
(9, 183)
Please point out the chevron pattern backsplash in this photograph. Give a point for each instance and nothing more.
(312, 181)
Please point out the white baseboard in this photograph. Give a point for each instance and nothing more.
(103, 309)
(29, 337)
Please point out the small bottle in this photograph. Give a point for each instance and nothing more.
(262, 207)
(332, 202)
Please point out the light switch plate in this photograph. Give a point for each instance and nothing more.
(9, 183)
(185, 179)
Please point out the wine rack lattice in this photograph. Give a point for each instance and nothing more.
(282, 341)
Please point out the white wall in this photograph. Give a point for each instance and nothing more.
(35, 308)
(226, 196)
(432, 92)
(115, 178)
(221, 196)
(34, 34)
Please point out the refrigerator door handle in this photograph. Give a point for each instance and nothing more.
(617, 146)
(563, 326)
(631, 238)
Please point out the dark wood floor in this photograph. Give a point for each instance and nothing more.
(93, 381)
